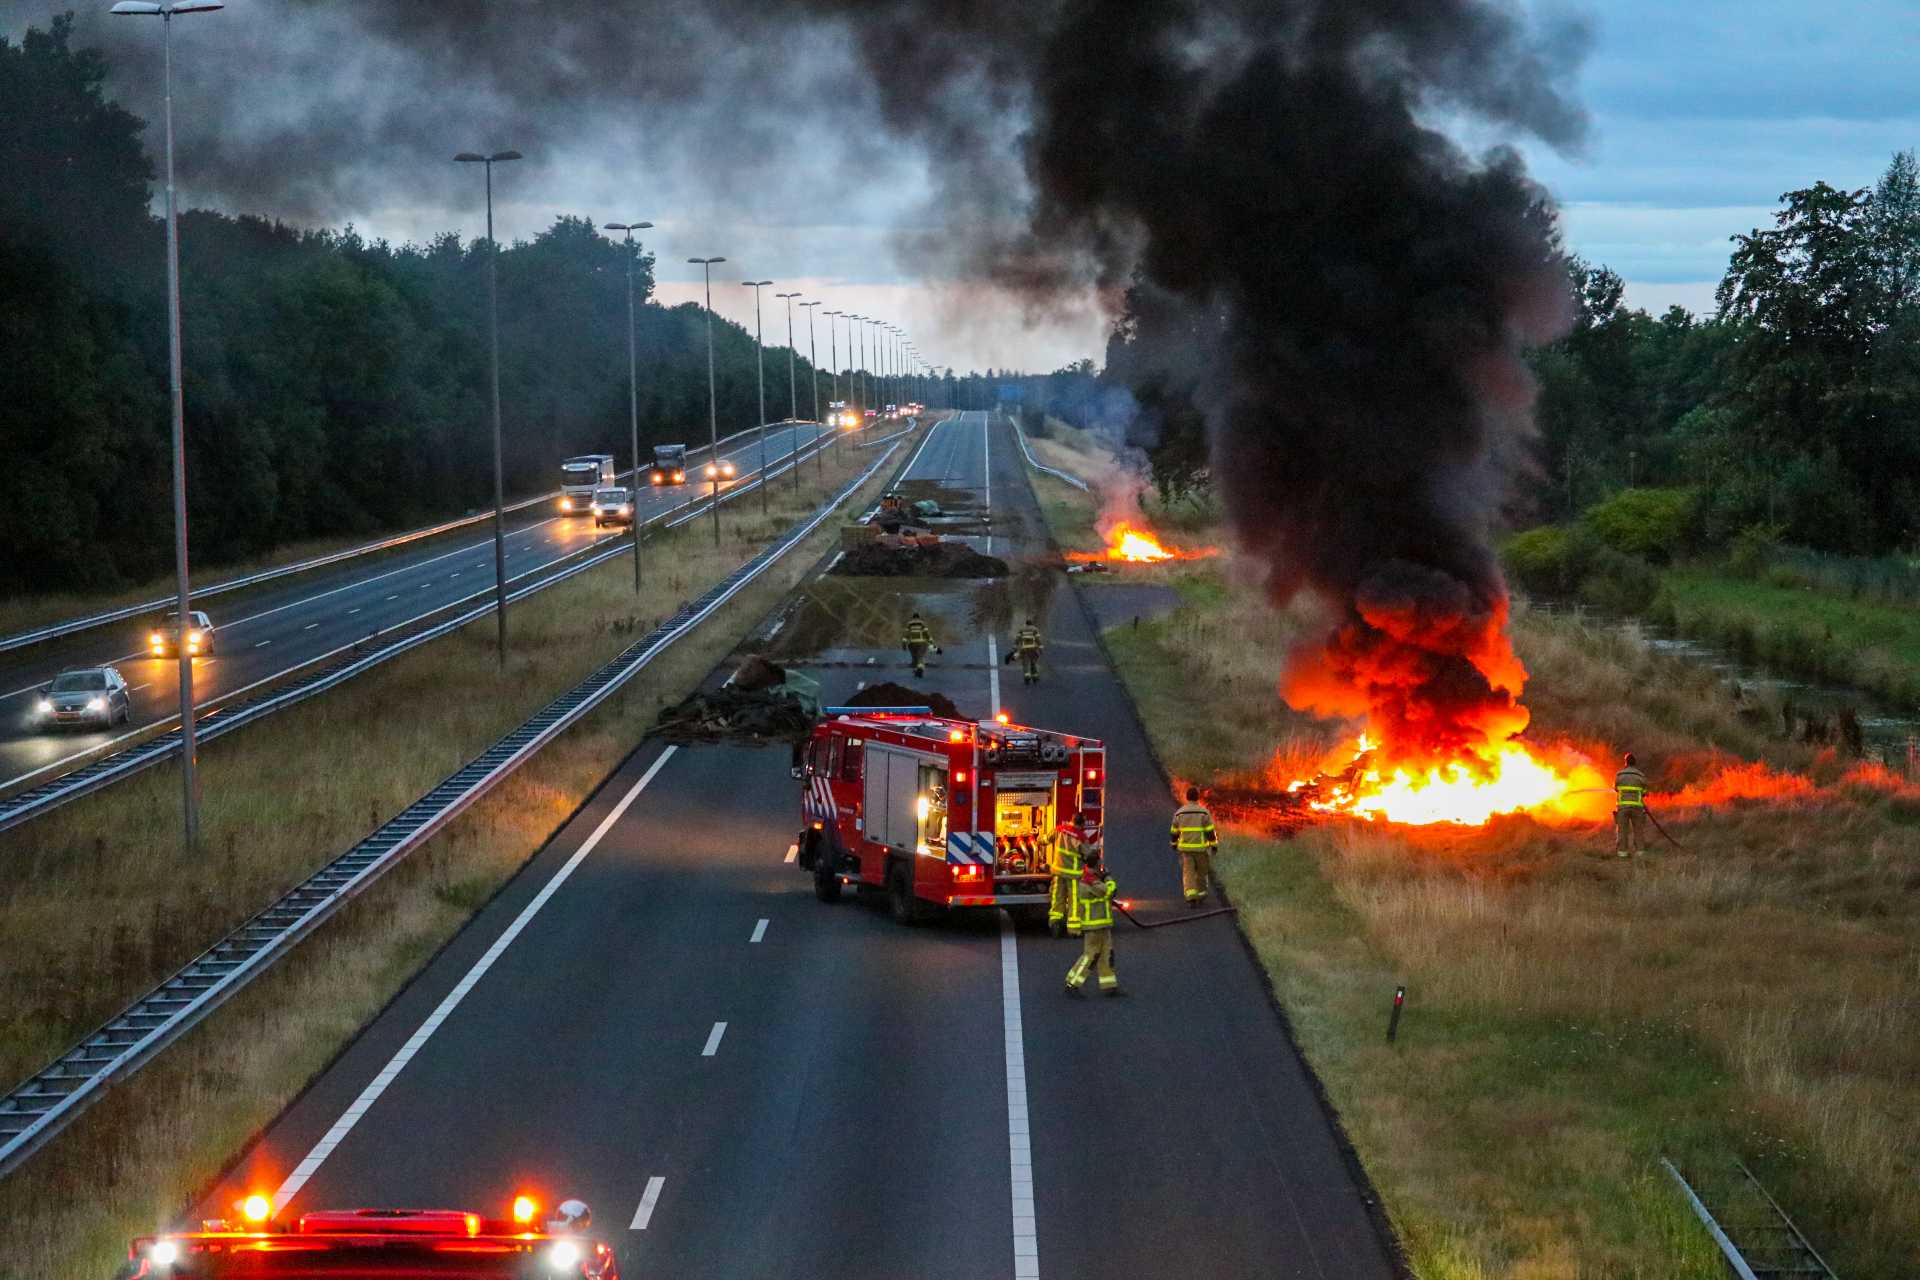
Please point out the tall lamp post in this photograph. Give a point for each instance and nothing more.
(793, 392)
(833, 347)
(813, 376)
(189, 765)
(713, 417)
(493, 345)
(861, 366)
(760, 362)
(633, 396)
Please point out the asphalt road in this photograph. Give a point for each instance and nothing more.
(659, 1017)
(264, 633)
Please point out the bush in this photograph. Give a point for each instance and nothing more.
(1753, 549)
(1618, 583)
(1541, 560)
(1650, 523)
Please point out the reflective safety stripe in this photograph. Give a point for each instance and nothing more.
(1632, 797)
(1193, 829)
(1096, 906)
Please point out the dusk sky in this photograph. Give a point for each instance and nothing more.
(1703, 112)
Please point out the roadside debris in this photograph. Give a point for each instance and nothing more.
(757, 716)
(888, 557)
(888, 694)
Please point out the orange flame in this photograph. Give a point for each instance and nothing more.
(1469, 790)
(1130, 543)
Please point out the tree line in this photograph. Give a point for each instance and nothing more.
(334, 385)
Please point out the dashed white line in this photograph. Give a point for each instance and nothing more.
(713, 1040)
(644, 1214)
(138, 687)
(263, 644)
(793, 852)
(378, 1085)
(394, 597)
(310, 626)
(759, 931)
(357, 608)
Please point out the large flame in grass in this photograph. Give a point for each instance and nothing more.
(1129, 542)
(1469, 789)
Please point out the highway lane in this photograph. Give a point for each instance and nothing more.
(267, 632)
(857, 1115)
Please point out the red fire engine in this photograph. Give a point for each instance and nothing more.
(942, 813)
(380, 1242)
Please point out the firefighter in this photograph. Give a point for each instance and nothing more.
(1629, 808)
(1062, 918)
(1026, 647)
(917, 639)
(1093, 904)
(1194, 839)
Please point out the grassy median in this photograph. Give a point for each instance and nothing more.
(1571, 1018)
(97, 903)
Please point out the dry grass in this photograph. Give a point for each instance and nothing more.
(1571, 1018)
(359, 755)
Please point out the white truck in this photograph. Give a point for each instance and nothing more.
(580, 477)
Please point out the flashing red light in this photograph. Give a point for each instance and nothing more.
(959, 775)
(1003, 718)
(956, 735)
(524, 1207)
(1093, 775)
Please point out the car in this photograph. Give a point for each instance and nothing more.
(164, 640)
(372, 1243)
(721, 470)
(95, 696)
(612, 506)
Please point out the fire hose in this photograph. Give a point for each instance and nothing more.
(1662, 830)
(1161, 924)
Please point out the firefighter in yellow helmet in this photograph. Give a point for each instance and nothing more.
(1094, 905)
(1026, 648)
(1194, 840)
(1062, 918)
(917, 639)
(1629, 808)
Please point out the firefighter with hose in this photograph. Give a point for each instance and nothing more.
(1093, 905)
(1194, 839)
(1026, 649)
(1068, 861)
(1629, 808)
(916, 640)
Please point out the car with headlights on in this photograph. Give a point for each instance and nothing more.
(165, 640)
(371, 1243)
(720, 469)
(612, 506)
(93, 697)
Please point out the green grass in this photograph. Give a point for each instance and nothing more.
(281, 798)
(1811, 633)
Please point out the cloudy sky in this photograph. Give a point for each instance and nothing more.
(1704, 111)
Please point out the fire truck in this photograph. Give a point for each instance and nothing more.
(942, 813)
(370, 1243)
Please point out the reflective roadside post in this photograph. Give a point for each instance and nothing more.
(713, 418)
(760, 362)
(493, 346)
(189, 764)
(633, 397)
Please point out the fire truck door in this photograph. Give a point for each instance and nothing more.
(905, 799)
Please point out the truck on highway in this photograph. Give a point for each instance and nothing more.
(943, 814)
(579, 477)
(669, 464)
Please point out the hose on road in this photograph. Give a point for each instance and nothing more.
(1186, 919)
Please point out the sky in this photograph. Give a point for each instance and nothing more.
(1703, 112)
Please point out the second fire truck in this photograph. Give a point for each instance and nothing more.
(943, 813)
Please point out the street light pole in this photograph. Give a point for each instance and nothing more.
(793, 394)
(493, 344)
(633, 397)
(813, 376)
(865, 399)
(760, 362)
(189, 762)
(713, 418)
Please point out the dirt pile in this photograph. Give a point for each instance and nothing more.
(889, 694)
(942, 560)
(733, 714)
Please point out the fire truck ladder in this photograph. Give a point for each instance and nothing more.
(39, 1108)
(1754, 1234)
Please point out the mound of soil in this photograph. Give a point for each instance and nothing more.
(736, 715)
(889, 694)
(945, 560)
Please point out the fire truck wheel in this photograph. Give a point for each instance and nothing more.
(906, 907)
(826, 885)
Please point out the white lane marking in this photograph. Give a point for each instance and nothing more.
(759, 930)
(138, 687)
(993, 672)
(793, 852)
(310, 626)
(713, 1040)
(357, 608)
(644, 1214)
(986, 438)
(263, 644)
(1026, 1239)
(924, 442)
(378, 1085)
(456, 575)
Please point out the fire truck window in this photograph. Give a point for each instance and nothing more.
(932, 803)
(850, 762)
(833, 757)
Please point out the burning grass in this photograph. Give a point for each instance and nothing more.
(135, 1160)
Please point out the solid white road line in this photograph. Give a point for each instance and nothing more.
(759, 931)
(644, 1214)
(378, 1085)
(793, 852)
(1026, 1240)
(986, 439)
(993, 673)
(713, 1040)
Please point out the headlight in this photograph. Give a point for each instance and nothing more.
(163, 1253)
(679, 476)
(193, 637)
(656, 477)
(625, 510)
(566, 504)
(596, 508)
(155, 638)
(564, 1256)
(96, 704)
(44, 707)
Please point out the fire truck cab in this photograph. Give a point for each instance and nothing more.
(942, 813)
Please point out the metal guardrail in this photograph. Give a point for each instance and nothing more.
(336, 668)
(1020, 438)
(1755, 1250)
(43, 1105)
(75, 625)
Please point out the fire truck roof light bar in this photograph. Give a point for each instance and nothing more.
(878, 711)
